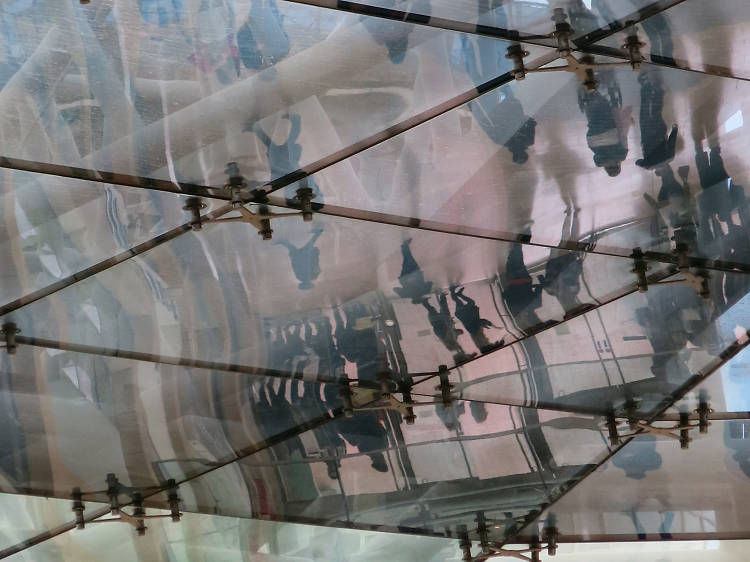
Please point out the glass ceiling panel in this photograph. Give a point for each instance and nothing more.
(642, 347)
(519, 160)
(177, 90)
(698, 35)
(147, 422)
(54, 227)
(224, 539)
(676, 551)
(23, 517)
(415, 299)
(525, 16)
(428, 477)
(654, 489)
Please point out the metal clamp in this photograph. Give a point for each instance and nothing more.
(633, 47)
(304, 198)
(235, 185)
(563, 31)
(9, 331)
(260, 220)
(516, 53)
(194, 205)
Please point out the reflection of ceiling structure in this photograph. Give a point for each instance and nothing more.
(389, 279)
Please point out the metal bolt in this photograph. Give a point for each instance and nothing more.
(195, 205)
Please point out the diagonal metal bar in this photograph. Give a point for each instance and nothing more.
(436, 22)
(107, 264)
(167, 360)
(240, 454)
(514, 238)
(667, 402)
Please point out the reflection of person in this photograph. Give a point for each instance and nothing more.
(468, 313)
(658, 146)
(607, 132)
(563, 271)
(413, 285)
(262, 40)
(305, 260)
(636, 459)
(521, 295)
(285, 157)
(735, 438)
(395, 35)
(442, 323)
(159, 12)
(500, 112)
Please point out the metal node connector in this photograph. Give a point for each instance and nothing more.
(516, 53)
(235, 184)
(304, 197)
(194, 205)
(633, 47)
(10, 331)
(78, 508)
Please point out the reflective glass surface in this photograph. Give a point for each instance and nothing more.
(147, 422)
(224, 539)
(430, 477)
(176, 90)
(528, 17)
(696, 35)
(55, 227)
(651, 488)
(332, 294)
(519, 161)
(642, 347)
(682, 551)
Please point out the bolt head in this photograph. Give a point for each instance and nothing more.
(307, 216)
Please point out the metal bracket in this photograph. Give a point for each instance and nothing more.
(679, 432)
(633, 47)
(9, 331)
(516, 53)
(640, 267)
(194, 205)
(138, 516)
(304, 198)
(235, 185)
(260, 220)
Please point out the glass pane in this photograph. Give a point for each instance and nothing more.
(682, 551)
(24, 517)
(527, 17)
(147, 422)
(414, 299)
(654, 489)
(54, 227)
(210, 537)
(520, 161)
(177, 90)
(428, 477)
(642, 347)
(696, 35)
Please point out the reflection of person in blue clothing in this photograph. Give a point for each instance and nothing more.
(305, 260)
(285, 157)
(161, 12)
(636, 459)
(261, 40)
(413, 284)
(737, 438)
(395, 35)
(658, 146)
(499, 113)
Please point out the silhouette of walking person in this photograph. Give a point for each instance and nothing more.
(413, 284)
(305, 260)
(395, 35)
(658, 146)
(467, 312)
(442, 324)
(262, 40)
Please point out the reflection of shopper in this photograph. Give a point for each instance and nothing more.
(468, 313)
(413, 285)
(442, 323)
(305, 260)
(262, 40)
(395, 35)
(658, 146)
(608, 125)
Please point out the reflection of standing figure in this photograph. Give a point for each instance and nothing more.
(412, 281)
(563, 271)
(468, 313)
(305, 260)
(285, 158)
(521, 295)
(658, 147)
(395, 35)
(262, 40)
(159, 12)
(442, 323)
(637, 458)
(607, 134)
